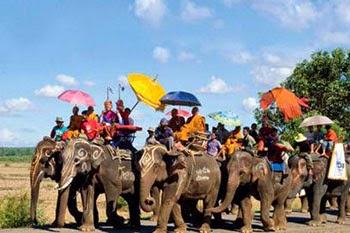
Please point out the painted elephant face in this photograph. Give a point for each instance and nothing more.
(152, 168)
(79, 157)
(299, 173)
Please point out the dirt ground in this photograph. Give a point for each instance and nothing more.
(14, 180)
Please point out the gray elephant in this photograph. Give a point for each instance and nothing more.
(101, 171)
(199, 178)
(251, 176)
(322, 189)
(47, 163)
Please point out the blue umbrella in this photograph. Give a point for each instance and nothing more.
(180, 98)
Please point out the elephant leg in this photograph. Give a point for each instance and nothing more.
(247, 214)
(315, 202)
(134, 210)
(88, 208)
(208, 202)
(111, 208)
(177, 216)
(96, 216)
(265, 204)
(168, 202)
(72, 207)
(342, 206)
(348, 205)
(61, 207)
(279, 215)
(323, 216)
(155, 193)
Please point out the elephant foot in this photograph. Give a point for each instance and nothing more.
(341, 221)
(281, 227)
(180, 229)
(246, 230)
(314, 223)
(159, 230)
(56, 224)
(323, 218)
(288, 211)
(87, 228)
(304, 211)
(205, 228)
(270, 226)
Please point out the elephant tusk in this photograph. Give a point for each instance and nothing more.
(65, 185)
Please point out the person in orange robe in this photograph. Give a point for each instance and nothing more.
(233, 143)
(195, 124)
(329, 140)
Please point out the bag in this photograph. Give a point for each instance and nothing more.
(337, 167)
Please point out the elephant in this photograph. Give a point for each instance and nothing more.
(99, 171)
(47, 163)
(182, 177)
(251, 176)
(322, 189)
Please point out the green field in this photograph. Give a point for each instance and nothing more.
(14, 154)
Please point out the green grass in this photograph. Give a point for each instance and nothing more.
(14, 212)
(15, 159)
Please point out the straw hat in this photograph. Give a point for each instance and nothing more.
(300, 138)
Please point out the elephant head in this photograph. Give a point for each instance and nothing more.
(153, 168)
(46, 162)
(79, 157)
(242, 169)
(299, 174)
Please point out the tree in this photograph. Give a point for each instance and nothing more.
(325, 80)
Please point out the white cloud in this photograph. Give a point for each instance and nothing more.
(19, 104)
(89, 83)
(123, 80)
(295, 14)
(66, 80)
(342, 10)
(49, 91)
(161, 54)
(151, 11)
(271, 75)
(6, 136)
(241, 57)
(272, 58)
(217, 86)
(335, 37)
(249, 104)
(193, 12)
(185, 56)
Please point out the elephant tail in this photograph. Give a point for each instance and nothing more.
(231, 188)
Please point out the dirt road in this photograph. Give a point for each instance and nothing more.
(295, 224)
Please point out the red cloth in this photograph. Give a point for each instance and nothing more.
(91, 128)
(331, 135)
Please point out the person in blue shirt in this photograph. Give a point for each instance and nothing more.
(58, 130)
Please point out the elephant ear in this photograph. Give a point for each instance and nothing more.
(259, 171)
(97, 155)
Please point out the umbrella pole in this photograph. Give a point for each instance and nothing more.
(135, 105)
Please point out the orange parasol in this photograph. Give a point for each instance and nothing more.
(288, 103)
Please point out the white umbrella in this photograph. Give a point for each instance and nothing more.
(316, 120)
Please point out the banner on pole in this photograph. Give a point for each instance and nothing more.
(337, 168)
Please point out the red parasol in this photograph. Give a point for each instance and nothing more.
(287, 102)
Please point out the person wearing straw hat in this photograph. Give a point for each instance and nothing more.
(303, 147)
(58, 130)
(151, 139)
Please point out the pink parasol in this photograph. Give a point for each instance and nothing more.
(180, 112)
(77, 97)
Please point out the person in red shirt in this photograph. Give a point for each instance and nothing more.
(329, 140)
(176, 121)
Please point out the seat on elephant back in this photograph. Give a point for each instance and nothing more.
(121, 154)
(197, 143)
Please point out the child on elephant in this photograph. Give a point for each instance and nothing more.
(303, 146)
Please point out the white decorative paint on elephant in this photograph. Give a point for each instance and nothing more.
(202, 174)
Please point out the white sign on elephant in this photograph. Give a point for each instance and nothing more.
(337, 168)
(202, 174)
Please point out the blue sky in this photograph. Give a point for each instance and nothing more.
(224, 51)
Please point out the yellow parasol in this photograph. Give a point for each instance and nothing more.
(147, 90)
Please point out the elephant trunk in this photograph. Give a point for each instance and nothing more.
(147, 202)
(232, 185)
(36, 178)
